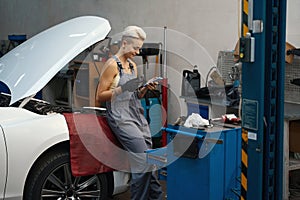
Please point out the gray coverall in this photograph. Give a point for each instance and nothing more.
(126, 119)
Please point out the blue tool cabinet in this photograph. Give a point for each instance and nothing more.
(213, 175)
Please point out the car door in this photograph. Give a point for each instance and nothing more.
(3, 163)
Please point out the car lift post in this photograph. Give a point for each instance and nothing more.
(262, 51)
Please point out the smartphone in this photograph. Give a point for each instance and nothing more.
(152, 80)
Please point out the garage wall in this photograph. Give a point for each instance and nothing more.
(214, 23)
(197, 29)
(293, 22)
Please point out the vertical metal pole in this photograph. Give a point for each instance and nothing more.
(253, 74)
(263, 102)
(165, 90)
(165, 53)
(274, 98)
(280, 99)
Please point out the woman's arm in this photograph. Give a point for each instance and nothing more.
(104, 93)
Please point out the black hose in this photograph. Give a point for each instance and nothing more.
(210, 70)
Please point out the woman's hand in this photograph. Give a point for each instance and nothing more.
(142, 90)
(151, 86)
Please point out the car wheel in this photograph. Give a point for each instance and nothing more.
(52, 179)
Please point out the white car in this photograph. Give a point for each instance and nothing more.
(34, 148)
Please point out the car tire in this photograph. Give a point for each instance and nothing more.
(51, 178)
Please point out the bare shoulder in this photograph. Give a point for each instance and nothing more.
(110, 66)
(111, 62)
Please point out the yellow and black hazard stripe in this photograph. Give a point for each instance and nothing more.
(244, 164)
(245, 30)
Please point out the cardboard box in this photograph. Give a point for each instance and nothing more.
(294, 135)
(289, 58)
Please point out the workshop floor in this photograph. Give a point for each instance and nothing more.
(294, 189)
(126, 195)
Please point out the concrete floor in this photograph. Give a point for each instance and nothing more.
(126, 195)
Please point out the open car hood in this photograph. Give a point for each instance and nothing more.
(27, 68)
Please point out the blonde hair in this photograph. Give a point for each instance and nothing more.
(134, 32)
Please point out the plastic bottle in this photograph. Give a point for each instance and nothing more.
(190, 82)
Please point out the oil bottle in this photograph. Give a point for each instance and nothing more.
(190, 82)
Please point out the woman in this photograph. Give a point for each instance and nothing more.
(119, 88)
